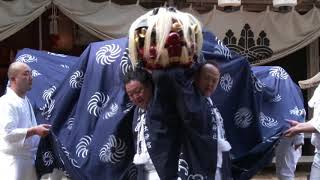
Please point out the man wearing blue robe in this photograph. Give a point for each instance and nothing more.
(176, 129)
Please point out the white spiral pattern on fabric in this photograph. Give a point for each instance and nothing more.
(113, 111)
(243, 118)
(82, 146)
(48, 93)
(278, 72)
(47, 158)
(277, 98)
(183, 167)
(26, 58)
(35, 73)
(56, 54)
(298, 112)
(47, 108)
(113, 151)
(125, 63)
(65, 66)
(76, 79)
(50, 103)
(267, 121)
(272, 138)
(70, 123)
(128, 107)
(108, 54)
(195, 177)
(257, 83)
(61, 160)
(226, 82)
(73, 161)
(97, 102)
(221, 49)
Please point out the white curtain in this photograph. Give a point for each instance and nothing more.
(105, 20)
(15, 15)
(262, 37)
(284, 32)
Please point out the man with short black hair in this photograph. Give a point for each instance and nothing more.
(139, 88)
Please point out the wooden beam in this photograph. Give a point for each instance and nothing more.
(252, 5)
(264, 2)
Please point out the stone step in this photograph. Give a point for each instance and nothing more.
(302, 160)
(269, 172)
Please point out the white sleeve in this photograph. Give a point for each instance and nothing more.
(12, 135)
(315, 121)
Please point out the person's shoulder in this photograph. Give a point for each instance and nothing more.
(6, 100)
(3, 98)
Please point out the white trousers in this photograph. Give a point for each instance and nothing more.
(152, 175)
(315, 168)
(17, 168)
(286, 159)
(218, 174)
(56, 175)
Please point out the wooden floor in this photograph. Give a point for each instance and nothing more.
(272, 176)
(269, 173)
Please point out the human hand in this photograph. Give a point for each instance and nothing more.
(293, 130)
(42, 130)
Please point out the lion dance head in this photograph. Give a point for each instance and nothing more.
(165, 37)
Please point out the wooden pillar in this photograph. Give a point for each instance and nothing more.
(312, 67)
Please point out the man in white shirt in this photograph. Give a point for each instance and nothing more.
(312, 126)
(19, 132)
(206, 80)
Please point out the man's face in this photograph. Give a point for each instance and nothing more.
(208, 79)
(23, 78)
(139, 94)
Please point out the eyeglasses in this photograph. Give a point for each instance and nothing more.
(136, 92)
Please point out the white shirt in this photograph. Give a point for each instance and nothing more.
(142, 156)
(223, 144)
(16, 117)
(315, 121)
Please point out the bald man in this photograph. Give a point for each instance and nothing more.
(19, 132)
(206, 81)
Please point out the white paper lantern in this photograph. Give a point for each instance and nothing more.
(224, 3)
(279, 3)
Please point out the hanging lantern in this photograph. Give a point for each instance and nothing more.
(53, 25)
(224, 3)
(279, 3)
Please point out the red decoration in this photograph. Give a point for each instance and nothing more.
(54, 39)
